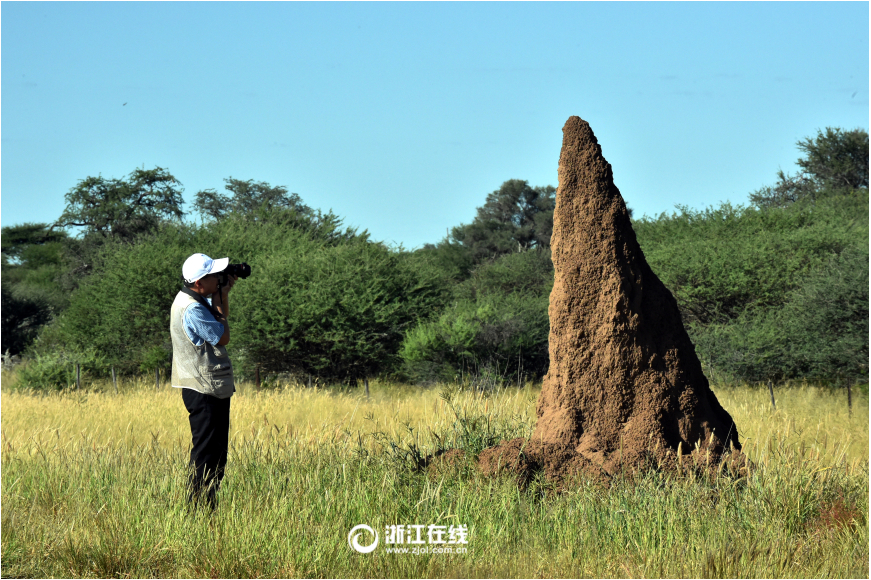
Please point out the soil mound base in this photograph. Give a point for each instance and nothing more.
(524, 458)
(447, 461)
(624, 387)
(511, 456)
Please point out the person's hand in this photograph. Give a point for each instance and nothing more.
(219, 296)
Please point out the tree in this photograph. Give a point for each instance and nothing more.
(31, 245)
(514, 217)
(123, 209)
(23, 316)
(336, 310)
(834, 161)
(258, 202)
(820, 332)
(247, 198)
(32, 263)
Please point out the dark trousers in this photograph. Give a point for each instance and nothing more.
(210, 428)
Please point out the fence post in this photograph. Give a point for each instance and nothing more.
(519, 367)
(156, 379)
(114, 381)
(366, 384)
(771, 392)
(309, 381)
(78, 376)
(257, 376)
(849, 397)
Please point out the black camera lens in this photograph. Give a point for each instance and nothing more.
(242, 270)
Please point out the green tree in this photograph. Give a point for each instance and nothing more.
(247, 198)
(834, 161)
(820, 331)
(121, 309)
(337, 311)
(23, 316)
(333, 308)
(826, 320)
(114, 211)
(494, 327)
(123, 208)
(255, 202)
(32, 264)
(720, 261)
(31, 245)
(513, 218)
(769, 293)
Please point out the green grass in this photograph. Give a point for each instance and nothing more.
(93, 485)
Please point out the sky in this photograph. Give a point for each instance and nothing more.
(402, 117)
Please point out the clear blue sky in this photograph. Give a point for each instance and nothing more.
(401, 117)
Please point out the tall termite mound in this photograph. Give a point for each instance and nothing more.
(624, 386)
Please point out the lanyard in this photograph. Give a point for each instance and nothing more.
(202, 301)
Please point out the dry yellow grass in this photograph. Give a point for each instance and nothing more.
(813, 418)
(93, 485)
(808, 416)
(142, 415)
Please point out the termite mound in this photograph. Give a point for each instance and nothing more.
(625, 388)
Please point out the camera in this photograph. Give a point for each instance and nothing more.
(242, 270)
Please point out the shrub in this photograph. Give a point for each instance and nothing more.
(495, 329)
(334, 307)
(338, 312)
(56, 370)
(723, 261)
(820, 332)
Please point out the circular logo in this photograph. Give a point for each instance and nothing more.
(354, 539)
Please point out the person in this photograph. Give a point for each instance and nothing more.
(202, 369)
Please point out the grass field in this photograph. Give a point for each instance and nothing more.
(93, 485)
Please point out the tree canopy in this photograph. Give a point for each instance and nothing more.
(32, 263)
(31, 244)
(834, 161)
(247, 198)
(515, 217)
(123, 208)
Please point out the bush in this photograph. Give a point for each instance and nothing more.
(495, 330)
(338, 312)
(56, 370)
(23, 316)
(723, 261)
(776, 290)
(32, 257)
(122, 309)
(334, 307)
(821, 332)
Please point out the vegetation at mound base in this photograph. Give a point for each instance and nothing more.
(86, 497)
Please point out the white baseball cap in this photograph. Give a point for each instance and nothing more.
(199, 265)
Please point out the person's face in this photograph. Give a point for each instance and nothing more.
(209, 283)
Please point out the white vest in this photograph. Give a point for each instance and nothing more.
(205, 368)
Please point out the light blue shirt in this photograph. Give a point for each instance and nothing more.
(201, 326)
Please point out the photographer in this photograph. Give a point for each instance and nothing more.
(201, 368)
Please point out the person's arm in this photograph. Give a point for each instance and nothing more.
(201, 325)
(221, 304)
(225, 338)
